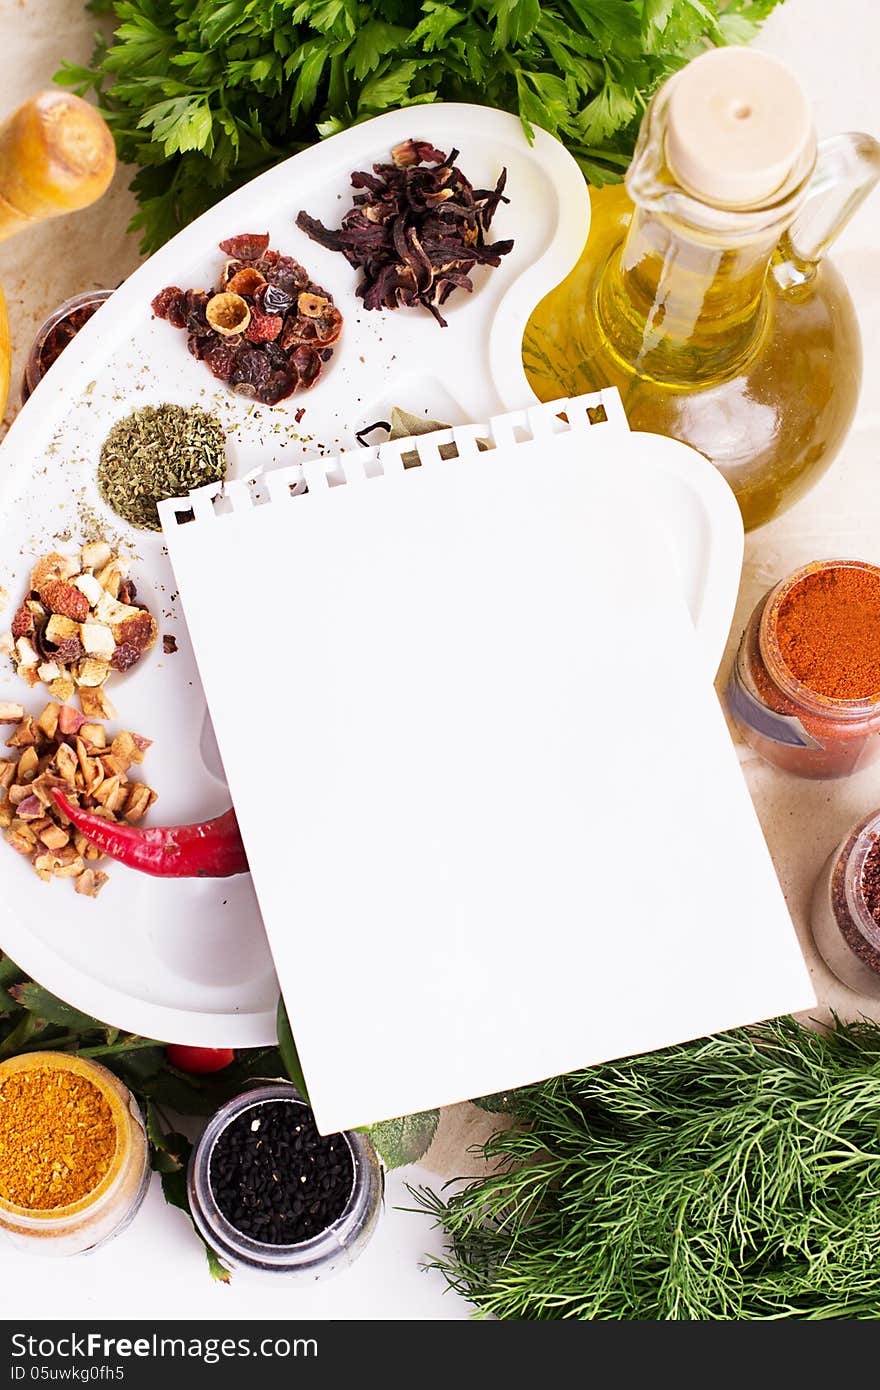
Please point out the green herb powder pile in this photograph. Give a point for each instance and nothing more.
(158, 452)
(733, 1178)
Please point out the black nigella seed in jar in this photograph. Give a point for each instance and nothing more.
(275, 1178)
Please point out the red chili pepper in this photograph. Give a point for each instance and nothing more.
(199, 1060)
(209, 849)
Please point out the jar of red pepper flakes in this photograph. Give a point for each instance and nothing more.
(845, 916)
(805, 687)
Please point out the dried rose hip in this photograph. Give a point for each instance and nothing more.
(169, 304)
(308, 366)
(272, 299)
(287, 323)
(248, 247)
(220, 357)
(288, 275)
(251, 370)
(263, 328)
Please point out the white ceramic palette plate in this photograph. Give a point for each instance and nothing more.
(187, 961)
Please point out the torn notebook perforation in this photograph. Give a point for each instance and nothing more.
(317, 476)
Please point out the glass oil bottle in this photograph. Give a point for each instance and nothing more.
(703, 293)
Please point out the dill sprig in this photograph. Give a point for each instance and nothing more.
(732, 1178)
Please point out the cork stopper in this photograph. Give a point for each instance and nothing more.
(737, 125)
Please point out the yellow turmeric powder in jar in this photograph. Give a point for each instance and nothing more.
(57, 1138)
(74, 1161)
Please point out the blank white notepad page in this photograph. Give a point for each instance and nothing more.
(495, 822)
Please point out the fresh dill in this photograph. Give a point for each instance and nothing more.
(733, 1178)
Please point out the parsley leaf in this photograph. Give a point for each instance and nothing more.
(202, 95)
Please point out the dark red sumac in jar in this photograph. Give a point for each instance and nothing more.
(56, 332)
(845, 918)
(805, 687)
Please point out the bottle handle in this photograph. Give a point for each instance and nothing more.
(847, 168)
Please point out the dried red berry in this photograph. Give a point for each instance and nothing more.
(169, 304)
(125, 656)
(69, 650)
(65, 599)
(272, 299)
(247, 247)
(251, 371)
(292, 323)
(329, 325)
(220, 357)
(263, 328)
(308, 366)
(23, 622)
(288, 275)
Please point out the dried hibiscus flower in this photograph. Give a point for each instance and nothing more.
(266, 330)
(417, 229)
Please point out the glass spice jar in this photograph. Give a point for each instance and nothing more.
(325, 1253)
(108, 1208)
(55, 333)
(845, 929)
(779, 713)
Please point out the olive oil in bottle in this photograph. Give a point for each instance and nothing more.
(702, 293)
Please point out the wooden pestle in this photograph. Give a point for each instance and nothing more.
(56, 155)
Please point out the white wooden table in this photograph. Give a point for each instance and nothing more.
(156, 1269)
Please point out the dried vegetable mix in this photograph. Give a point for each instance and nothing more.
(80, 621)
(417, 231)
(62, 749)
(267, 329)
(158, 452)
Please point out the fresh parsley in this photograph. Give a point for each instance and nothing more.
(204, 95)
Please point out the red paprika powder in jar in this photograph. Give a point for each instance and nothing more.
(805, 687)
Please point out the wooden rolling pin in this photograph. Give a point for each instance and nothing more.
(56, 155)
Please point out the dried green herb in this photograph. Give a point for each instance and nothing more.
(158, 452)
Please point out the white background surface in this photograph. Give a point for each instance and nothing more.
(156, 1269)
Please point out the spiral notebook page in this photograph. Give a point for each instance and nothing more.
(495, 822)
